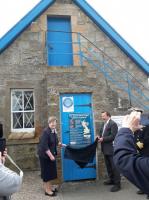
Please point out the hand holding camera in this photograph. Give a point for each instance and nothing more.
(132, 121)
(2, 145)
(3, 157)
(2, 141)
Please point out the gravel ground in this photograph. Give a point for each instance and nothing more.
(77, 190)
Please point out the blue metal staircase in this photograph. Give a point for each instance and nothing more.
(121, 80)
(126, 85)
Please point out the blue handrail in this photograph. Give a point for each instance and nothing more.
(88, 53)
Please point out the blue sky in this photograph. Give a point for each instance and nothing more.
(128, 17)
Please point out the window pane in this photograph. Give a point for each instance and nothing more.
(28, 100)
(17, 101)
(17, 120)
(29, 120)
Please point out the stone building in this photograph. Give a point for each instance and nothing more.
(64, 59)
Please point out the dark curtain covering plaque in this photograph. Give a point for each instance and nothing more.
(82, 156)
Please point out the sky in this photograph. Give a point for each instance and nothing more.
(128, 17)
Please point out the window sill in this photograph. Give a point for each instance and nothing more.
(21, 135)
(22, 142)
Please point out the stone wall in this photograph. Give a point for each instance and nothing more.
(24, 65)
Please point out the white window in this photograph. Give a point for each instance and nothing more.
(22, 110)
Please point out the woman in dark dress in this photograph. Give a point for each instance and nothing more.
(47, 151)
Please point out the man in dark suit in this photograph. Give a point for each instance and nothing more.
(134, 166)
(106, 137)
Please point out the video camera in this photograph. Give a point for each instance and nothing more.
(144, 119)
(2, 140)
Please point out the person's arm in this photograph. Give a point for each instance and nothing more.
(10, 182)
(3, 157)
(48, 152)
(101, 130)
(134, 167)
(44, 145)
(61, 145)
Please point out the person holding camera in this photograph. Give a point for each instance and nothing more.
(134, 166)
(10, 182)
(142, 143)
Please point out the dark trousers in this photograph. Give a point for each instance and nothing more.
(113, 173)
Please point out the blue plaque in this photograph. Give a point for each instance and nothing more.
(80, 131)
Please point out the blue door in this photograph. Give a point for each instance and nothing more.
(77, 130)
(59, 42)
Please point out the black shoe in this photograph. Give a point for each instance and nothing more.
(108, 182)
(53, 194)
(140, 192)
(147, 196)
(115, 188)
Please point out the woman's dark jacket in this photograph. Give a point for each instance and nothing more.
(47, 141)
